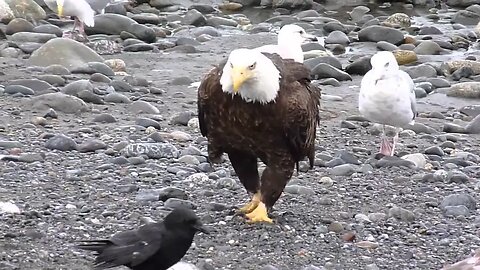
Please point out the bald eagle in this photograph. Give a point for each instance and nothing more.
(259, 106)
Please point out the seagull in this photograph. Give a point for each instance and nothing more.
(387, 97)
(79, 9)
(289, 44)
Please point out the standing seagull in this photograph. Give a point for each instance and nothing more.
(289, 46)
(79, 9)
(387, 97)
(154, 246)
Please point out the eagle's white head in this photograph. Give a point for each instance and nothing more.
(384, 61)
(252, 75)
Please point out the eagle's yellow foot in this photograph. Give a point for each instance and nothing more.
(249, 207)
(259, 214)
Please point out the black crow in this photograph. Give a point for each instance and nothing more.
(153, 246)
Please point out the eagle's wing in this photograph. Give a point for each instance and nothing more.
(210, 83)
(302, 105)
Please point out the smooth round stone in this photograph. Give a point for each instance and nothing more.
(54, 80)
(385, 46)
(428, 47)
(15, 89)
(337, 37)
(48, 29)
(104, 118)
(377, 33)
(10, 52)
(98, 77)
(18, 25)
(57, 70)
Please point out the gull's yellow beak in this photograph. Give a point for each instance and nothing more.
(239, 76)
(60, 8)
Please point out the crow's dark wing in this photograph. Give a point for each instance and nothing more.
(131, 248)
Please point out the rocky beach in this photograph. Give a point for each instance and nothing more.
(101, 135)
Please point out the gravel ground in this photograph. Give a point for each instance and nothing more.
(359, 215)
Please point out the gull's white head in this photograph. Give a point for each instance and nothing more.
(293, 34)
(252, 75)
(384, 60)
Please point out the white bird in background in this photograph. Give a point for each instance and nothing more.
(79, 9)
(100, 5)
(289, 44)
(83, 11)
(387, 97)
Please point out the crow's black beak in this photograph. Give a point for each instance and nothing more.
(201, 228)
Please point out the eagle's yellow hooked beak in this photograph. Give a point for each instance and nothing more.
(239, 76)
(60, 8)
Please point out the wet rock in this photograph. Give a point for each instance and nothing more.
(59, 102)
(141, 106)
(451, 66)
(401, 214)
(19, 89)
(26, 9)
(359, 67)
(322, 70)
(428, 47)
(337, 37)
(465, 17)
(459, 199)
(32, 37)
(194, 17)
(61, 142)
(62, 51)
(418, 159)
(18, 25)
(91, 145)
(297, 189)
(473, 127)
(343, 170)
(422, 70)
(465, 90)
(377, 33)
(90, 97)
(117, 98)
(400, 19)
(151, 150)
(104, 118)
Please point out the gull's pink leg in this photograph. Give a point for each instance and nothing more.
(395, 140)
(385, 145)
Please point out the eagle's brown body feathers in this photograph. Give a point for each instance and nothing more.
(280, 133)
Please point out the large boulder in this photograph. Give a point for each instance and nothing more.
(63, 51)
(26, 9)
(6, 14)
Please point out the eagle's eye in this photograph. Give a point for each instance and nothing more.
(301, 32)
(252, 66)
(387, 64)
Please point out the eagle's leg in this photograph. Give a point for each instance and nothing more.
(259, 214)
(252, 205)
(273, 181)
(246, 168)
